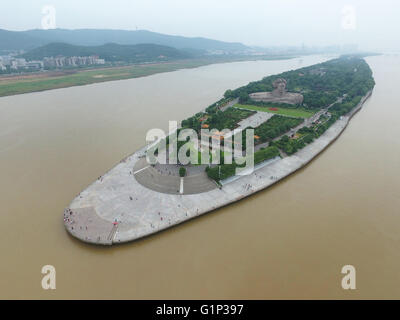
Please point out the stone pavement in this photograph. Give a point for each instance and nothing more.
(140, 211)
(117, 208)
(166, 179)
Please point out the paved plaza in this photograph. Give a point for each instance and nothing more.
(118, 208)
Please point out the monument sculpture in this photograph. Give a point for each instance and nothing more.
(278, 95)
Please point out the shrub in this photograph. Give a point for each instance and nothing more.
(182, 172)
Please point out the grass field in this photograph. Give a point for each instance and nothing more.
(11, 85)
(298, 112)
(78, 78)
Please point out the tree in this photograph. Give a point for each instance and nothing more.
(244, 97)
(228, 94)
(182, 172)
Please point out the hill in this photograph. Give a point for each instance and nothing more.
(30, 39)
(110, 52)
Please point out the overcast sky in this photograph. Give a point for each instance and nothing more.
(371, 24)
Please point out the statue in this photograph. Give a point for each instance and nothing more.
(280, 87)
(278, 95)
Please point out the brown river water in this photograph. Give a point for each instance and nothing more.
(289, 241)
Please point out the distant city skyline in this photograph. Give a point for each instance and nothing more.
(370, 24)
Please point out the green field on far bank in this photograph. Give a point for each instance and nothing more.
(295, 112)
(26, 83)
(78, 77)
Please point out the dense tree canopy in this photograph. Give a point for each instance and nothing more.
(320, 84)
(339, 83)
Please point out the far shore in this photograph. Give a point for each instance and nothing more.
(13, 84)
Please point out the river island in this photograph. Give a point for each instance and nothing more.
(293, 117)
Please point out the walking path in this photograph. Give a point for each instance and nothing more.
(141, 211)
(230, 104)
(165, 178)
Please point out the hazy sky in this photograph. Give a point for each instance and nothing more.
(371, 24)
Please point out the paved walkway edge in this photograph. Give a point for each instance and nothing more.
(140, 212)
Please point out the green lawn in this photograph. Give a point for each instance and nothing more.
(83, 77)
(90, 76)
(298, 112)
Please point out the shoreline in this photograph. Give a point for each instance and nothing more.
(117, 209)
(43, 81)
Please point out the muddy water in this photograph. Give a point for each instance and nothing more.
(287, 242)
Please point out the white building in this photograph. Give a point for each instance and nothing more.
(34, 65)
(59, 62)
(18, 63)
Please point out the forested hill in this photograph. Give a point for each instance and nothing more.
(110, 52)
(321, 84)
(30, 39)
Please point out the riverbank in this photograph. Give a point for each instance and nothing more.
(27, 83)
(116, 208)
